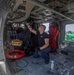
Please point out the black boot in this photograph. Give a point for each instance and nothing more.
(47, 61)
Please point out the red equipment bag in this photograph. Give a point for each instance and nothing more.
(53, 34)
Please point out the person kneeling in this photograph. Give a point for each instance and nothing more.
(43, 43)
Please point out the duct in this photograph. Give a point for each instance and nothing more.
(45, 7)
(28, 9)
(70, 7)
(47, 13)
(21, 10)
(36, 17)
(36, 10)
(18, 2)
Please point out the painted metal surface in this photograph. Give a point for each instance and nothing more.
(32, 66)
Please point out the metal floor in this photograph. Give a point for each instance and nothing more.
(36, 66)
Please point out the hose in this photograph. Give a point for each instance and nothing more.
(21, 62)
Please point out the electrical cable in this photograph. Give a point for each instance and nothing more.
(22, 66)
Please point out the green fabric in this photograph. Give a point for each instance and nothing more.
(69, 37)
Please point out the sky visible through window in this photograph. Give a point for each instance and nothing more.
(70, 27)
(47, 26)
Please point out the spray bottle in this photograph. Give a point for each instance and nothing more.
(52, 66)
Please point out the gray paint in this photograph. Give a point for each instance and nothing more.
(4, 10)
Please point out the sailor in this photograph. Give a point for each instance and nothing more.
(69, 36)
(43, 43)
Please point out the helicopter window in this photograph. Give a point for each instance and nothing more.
(47, 27)
(69, 32)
